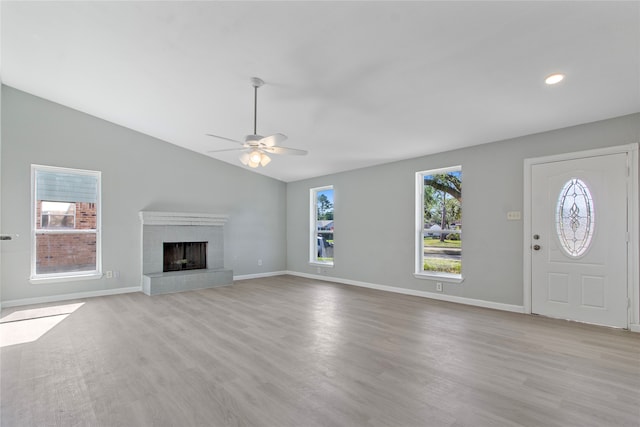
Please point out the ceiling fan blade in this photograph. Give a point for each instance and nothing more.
(226, 149)
(285, 150)
(226, 139)
(274, 139)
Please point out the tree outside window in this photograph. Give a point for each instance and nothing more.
(441, 223)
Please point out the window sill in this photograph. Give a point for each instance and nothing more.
(442, 277)
(321, 264)
(60, 279)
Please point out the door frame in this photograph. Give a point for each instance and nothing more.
(633, 269)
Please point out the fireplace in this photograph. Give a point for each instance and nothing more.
(182, 252)
(179, 256)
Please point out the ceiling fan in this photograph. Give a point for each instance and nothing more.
(255, 147)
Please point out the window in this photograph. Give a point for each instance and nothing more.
(575, 218)
(439, 223)
(321, 230)
(65, 223)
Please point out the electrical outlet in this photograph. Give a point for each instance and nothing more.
(116, 274)
(319, 270)
(259, 262)
(109, 274)
(439, 286)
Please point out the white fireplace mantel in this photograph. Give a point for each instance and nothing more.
(181, 218)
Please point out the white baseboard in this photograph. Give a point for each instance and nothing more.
(65, 297)
(432, 295)
(634, 327)
(260, 275)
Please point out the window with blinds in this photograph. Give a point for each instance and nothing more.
(65, 223)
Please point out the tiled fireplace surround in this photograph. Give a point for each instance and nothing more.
(160, 227)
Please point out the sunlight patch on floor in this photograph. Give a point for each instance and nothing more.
(24, 326)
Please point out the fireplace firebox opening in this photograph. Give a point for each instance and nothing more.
(180, 256)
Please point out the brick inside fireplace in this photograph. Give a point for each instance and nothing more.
(178, 256)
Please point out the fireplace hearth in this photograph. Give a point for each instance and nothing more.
(178, 256)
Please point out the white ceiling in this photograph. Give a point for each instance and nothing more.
(354, 83)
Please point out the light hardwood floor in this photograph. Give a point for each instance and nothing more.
(287, 351)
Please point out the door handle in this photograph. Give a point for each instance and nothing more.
(536, 247)
(8, 236)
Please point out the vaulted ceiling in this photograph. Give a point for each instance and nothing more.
(354, 83)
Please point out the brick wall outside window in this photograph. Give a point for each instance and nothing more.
(60, 252)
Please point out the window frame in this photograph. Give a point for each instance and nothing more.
(67, 275)
(313, 219)
(419, 271)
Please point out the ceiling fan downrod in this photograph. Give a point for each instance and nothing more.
(256, 83)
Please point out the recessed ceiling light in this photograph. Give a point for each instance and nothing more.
(554, 78)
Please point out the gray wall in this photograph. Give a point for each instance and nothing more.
(138, 173)
(374, 213)
(270, 219)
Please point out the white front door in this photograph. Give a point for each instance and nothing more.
(579, 239)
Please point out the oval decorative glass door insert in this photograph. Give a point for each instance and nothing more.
(575, 217)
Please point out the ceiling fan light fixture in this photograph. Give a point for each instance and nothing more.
(255, 156)
(244, 158)
(254, 159)
(265, 160)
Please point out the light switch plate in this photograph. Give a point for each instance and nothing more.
(513, 215)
